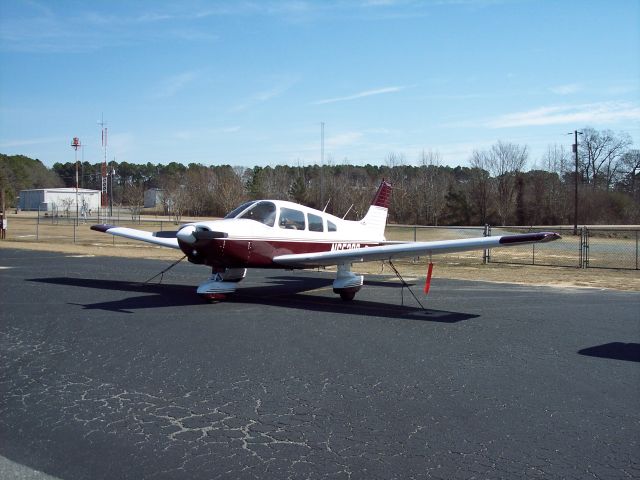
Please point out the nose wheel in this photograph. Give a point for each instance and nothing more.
(221, 284)
(213, 297)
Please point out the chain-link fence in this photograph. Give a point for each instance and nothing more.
(60, 229)
(592, 247)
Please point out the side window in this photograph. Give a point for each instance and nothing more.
(292, 219)
(315, 223)
(332, 226)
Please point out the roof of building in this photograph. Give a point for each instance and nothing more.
(61, 190)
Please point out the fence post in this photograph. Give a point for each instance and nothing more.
(486, 254)
(533, 254)
(585, 248)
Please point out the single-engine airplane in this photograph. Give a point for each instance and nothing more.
(278, 234)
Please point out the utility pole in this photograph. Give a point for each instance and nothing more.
(76, 145)
(104, 202)
(322, 164)
(575, 195)
(112, 172)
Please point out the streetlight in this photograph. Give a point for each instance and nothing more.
(575, 133)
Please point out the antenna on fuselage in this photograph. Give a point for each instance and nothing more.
(325, 207)
(348, 210)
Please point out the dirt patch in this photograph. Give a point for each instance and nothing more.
(565, 277)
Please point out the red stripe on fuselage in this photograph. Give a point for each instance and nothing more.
(257, 253)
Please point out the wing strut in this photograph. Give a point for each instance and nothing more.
(404, 284)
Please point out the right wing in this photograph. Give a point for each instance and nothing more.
(164, 239)
(409, 249)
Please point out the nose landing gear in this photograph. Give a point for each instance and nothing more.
(221, 283)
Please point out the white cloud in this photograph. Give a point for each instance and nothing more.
(567, 89)
(169, 86)
(204, 133)
(594, 113)
(24, 142)
(265, 95)
(355, 96)
(343, 139)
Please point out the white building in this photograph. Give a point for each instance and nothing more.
(60, 200)
(153, 197)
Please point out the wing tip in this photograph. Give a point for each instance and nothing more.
(529, 237)
(102, 227)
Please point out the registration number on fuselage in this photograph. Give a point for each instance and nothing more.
(344, 246)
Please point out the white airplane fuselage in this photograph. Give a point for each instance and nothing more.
(253, 243)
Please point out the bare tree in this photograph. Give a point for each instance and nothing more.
(229, 189)
(174, 196)
(631, 173)
(556, 195)
(432, 187)
(504, 161)
(480, 184)
(401, 198)
(200, 185)
(601, 154)
(67, 203)
(133, 198)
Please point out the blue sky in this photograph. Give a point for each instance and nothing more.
(250, 82)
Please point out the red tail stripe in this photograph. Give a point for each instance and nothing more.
(383, 195)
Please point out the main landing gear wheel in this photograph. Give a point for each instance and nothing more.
(347, 284)
(347, 296)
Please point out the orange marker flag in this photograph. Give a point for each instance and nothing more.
(427, 283)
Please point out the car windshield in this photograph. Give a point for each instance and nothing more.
(234, 213)
(263, 212)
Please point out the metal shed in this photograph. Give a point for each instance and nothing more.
(57, 200)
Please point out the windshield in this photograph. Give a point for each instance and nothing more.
(233, 213)
(263, 212)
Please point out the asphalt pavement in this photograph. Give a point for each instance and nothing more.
(103, 376)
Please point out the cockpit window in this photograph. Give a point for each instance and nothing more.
(234, 213)
(263, 212)
(290, 218)
(332, 226)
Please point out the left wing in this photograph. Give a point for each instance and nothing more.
(164, 239)
(413, 249)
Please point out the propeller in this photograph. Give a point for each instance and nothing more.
(190, 234)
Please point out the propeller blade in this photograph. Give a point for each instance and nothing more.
(166, 234)
(208, 235)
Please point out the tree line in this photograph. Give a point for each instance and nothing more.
(494, 188)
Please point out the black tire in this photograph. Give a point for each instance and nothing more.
(347, 296)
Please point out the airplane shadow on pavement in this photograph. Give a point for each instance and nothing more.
(304, 293)
(615, 351)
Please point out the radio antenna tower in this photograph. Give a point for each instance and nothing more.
(104, 198)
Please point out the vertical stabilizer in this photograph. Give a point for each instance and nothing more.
(376, 218)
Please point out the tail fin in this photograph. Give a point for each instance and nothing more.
(376, 218)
